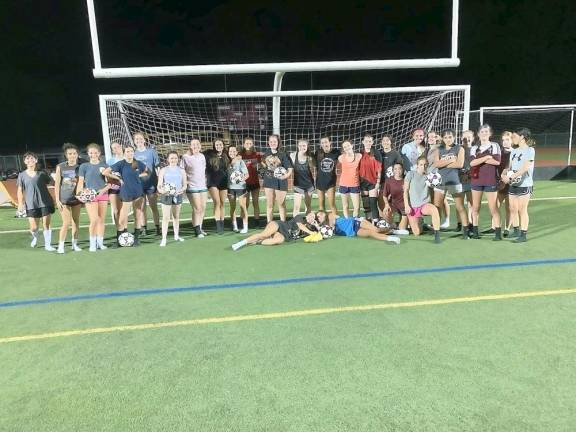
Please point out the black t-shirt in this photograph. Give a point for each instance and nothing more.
(275, 160)
(388, 160)
(326, 167)
(289, 229)
(216, 173)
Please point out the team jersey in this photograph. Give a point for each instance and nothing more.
(252, 160)
(370, 166)
(517, 159)
(326, 168)
(450, 176)
(275, 160)
(388, 161)
(485, 174)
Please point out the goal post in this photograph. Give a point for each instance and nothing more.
(552, 126)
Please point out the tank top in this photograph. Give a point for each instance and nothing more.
(349, 176)
(69, 180)
(302, 173)
(173, 175)
(450, 176)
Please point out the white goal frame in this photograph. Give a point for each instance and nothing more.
(163, 71)
(276, 96)
(536, 108)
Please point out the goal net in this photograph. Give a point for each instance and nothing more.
(551, 127)
(170, 121)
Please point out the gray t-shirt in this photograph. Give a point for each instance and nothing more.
(92, 173)
(35, 190)
(418, 191)
(68, 182)
(517, 159)
(237, 165)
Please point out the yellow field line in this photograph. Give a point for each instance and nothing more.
(289, 314)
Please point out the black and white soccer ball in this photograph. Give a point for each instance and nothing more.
(513, 181)
(433, 179)
(20, 214)
(390, 172)
(382, 224)
(126, 239)
(236, 177)
(170, 188)
(327, 231)
(280, 172)
(87, 195)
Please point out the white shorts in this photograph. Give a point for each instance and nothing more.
(449, 188)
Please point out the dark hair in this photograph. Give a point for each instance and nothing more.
(309, 157)
(424, 158)
(171, 152)
(372, 149)
(29, 153)
(320, 153)
(277, 139)
(526, 134)
(449, 131)
(402, 166)
(93, 145)
(70, 146)
(484, 126)
(390, 137)
(214, 159)
(243, 151)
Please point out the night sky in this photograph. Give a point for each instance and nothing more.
(512, 52)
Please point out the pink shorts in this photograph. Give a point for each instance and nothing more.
(101, 198)
(417, 211)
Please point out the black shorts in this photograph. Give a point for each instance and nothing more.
(520, 191)
(221, 185)
(252, 187)
(236, 193)
(283, 229)
(149, 186)
(276, 184)
(72, 202)
(366, 186)
(40, 212)
(170, 199)
(321, 186)
(482, 188)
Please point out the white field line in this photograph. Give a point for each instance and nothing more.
(262, 198)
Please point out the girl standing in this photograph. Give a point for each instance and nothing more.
(275, 188)
(35, 199)
(522, 164)
(66, 180)
(484, 162)
(326, 162)
(252, 158)
(303, 179)
(115, 203)
(504, 188)
(91, 176)
(171, 184)
(349, 187)
(217, 180)
(370, 170)
(149, 183)
(237, 189)
(194, 164)
(131, 191)
(413, 150)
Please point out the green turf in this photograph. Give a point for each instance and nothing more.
(502, 365)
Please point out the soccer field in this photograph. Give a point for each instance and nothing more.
(346, 334)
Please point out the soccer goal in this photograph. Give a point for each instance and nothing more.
(169, 121)
(552, 127)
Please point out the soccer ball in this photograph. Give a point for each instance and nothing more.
(170, 188)
(20, 214)
(280, 172)
(236, 177)
(327, 231)
(125, 239)
(87, 195)
(513, 181)
(114, 184)
(389, 172)
(433, 179)
(382, 223)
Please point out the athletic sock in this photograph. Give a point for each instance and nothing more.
(34, 241)
(100, 243)
(459, 227)
(515, 232)
(92, 244)
(48, 239)
(498, 234)
(437, 236)
(75, 246)
(197, 230)
(475, 232)
(61, 247)
(136, 237)
(522, 237)
(158, 230)
(374, 208)
(239, 244)
(366, 205)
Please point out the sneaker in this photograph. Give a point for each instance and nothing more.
(60, 249)
(76, 248)
(244, 230)
(393, 239)
(163, 243)
(49, 248)
(400, 232)
(458, 227)
(238, 245)
(445, 224)
(520, 239)
(506, 233)
(34, 241)
(200, 235)
(235, 229)
(489, 231)
(92, 249)
(178, 239)
(102, 247)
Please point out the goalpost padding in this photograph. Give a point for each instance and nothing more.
(170, 120)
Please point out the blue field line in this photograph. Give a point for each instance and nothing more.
(290, 281)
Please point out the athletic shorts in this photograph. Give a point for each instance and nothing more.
(417, 211)
(346, 226)
(40, 212)
(276, 184)
(325, 186)
(283, 229)
(301, 191)
(457, 188)
(222, 185)
(252, 187)
(366, 186)
(520, 191)
(170, 199)
(479, 188)
(113, 191)
(101, 198)
(71, 202)
(236, 193)
(149, 187)
(193, 191)
(349, 189)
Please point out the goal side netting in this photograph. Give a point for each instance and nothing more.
(170, 121)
